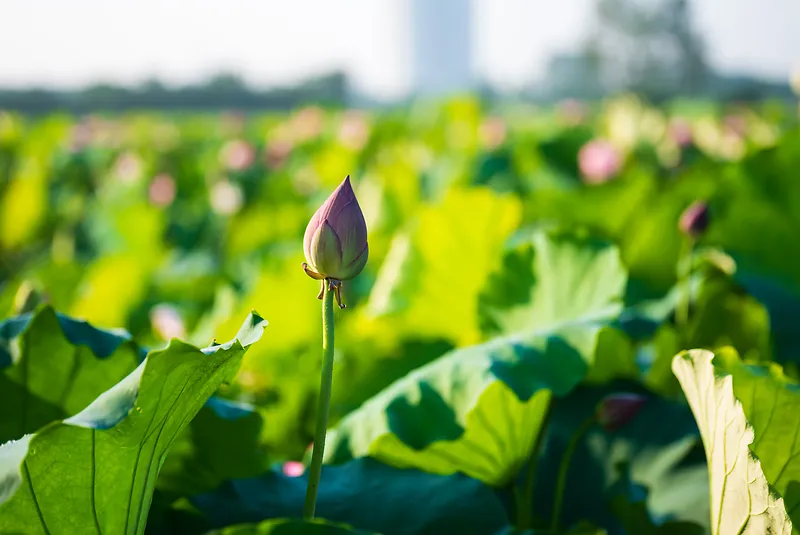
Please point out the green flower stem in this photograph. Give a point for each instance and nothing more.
(563, 470)
(685, 283)
(315, 470)
(524, 495)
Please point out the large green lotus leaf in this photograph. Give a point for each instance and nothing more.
(583, 528)
(285, 526)
(551, 279)
(725, 397)
(52, 366)
(99, 467)
(782, 301)
(605, 208)
(222, 442)
(362, 493)
(759, 215)
(366, 373)
(722, 314)
(628, 502)
(660, 447)
(771, 404)
(477, 410)
(445, 261)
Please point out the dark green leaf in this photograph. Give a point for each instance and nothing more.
(110, 454)
(290, 527)
(476, 410)
(221, 442)
(362, 493)
(553, 279)
(628, 502)
(660, 445)
(52, 366)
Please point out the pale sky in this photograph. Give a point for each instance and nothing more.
(75, 42)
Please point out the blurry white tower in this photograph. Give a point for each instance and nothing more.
(441, 33)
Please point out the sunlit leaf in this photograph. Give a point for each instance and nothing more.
(112, 451)
(52, 366)
(477, 410)
(549, 280)
(451, 252)
(23, 205)
(742, 497)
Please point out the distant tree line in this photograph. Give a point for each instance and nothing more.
(652, 48)
(224, 91)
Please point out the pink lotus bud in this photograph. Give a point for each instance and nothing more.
(335, 242)
(694, 220)
(616, 410)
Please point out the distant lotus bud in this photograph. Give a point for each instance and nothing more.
(226, 198)
(694, 220)
(493, 132)
(354, 130)
(167, 322)
(335, 242)
(572, 111)
(599, 161)
(735, 124)
(293, 469)
(162, 190)
(616, 410)
(237, 155)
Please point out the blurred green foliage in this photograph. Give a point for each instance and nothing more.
(500, 274)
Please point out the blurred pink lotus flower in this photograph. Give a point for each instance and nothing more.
(307, 123)
(166, 322)
(572, 111)
(735, 124)
(128, 167)
(680, 131)
(237, 155)
(80, 137)
(105, 132)
(277, 152)
(162, 190)
(293, 469)
(232, 123)
(353, 130)
(226, 198)
(599, 161)
(492, 132)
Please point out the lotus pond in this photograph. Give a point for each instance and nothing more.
(543, 339)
